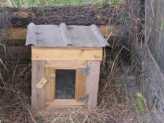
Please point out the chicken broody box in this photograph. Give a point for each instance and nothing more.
(65, 64)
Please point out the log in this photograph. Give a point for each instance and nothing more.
(15, 20)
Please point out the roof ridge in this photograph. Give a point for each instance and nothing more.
(63, 31)
(31, 37)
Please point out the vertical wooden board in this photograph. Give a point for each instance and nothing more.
(38, 94)
(67, 54)
(93, 83)
(52, 83)
(80, 84)
(34, 91)
(50, 86)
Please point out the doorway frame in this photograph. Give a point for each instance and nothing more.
(80, 89)
(75, 82)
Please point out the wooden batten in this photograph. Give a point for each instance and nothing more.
(65, 64)
(64, 104)
(81, 54)
(50, 87)
(80, 85)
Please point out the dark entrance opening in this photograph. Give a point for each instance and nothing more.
(65, 84)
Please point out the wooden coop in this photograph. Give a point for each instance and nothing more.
(65, 64)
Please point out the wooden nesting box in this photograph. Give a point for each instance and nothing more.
(65, 64)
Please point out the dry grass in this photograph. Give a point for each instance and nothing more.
(32, 3)
(113, 105)
(15, 100)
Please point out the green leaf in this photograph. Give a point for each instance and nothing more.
(162, 25)
(140, 102)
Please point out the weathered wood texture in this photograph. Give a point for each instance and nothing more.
(56, 104)
(65, 64)
(80, 84)
(38, 94)
(93, 83)
(67, 54)
(87, 79)
(50, 85)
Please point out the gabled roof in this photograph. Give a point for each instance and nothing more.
(64, 36)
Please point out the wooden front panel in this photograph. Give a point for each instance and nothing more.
(44, 94)
(69, 54)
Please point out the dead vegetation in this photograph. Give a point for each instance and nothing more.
(114, 105)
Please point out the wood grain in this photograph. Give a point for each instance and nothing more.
(67, 54)
(80, 84)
